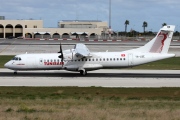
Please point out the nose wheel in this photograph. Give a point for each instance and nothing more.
(83, 72)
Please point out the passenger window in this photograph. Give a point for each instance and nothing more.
(104, 59)
(124, 59)
(92, 59)
(16, 58)
(19, 59)
(82, 59)
(117, 58)
(51, 60)
(96, 59)
(110, 59)
(89, 59)
(44, 60)
(107, 59)
(120, 58)
(47, 60)
(100, 59)
(114, 59)
(54, 60)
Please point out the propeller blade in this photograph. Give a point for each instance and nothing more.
(60, 48)
(61, 56)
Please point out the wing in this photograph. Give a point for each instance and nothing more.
(81, 50)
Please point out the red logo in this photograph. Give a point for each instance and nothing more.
(53, 63)
(123, 55)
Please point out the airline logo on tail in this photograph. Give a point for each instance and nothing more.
(159, 43)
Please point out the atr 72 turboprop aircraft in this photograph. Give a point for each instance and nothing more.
(80, 59)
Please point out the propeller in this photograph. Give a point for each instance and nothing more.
(61, 56)
(72, 54)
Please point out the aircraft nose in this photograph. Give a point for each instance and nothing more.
(6, 65)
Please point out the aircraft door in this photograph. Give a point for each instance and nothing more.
(130, 59)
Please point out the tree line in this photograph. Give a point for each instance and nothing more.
(134, 33)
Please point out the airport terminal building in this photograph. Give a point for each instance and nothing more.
(74, 29)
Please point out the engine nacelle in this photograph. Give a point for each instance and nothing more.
(71, 68)
(70, 55)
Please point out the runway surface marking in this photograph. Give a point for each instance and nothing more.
(7, 47)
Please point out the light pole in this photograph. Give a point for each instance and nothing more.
(109, 14)
(133, 30)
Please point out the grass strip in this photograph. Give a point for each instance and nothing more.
(4, 59)
(92, 103)
(166, 64)
(90, 93)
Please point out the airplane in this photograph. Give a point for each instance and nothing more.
(80, 59)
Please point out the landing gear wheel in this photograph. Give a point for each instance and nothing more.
(15, 72)
(82, 72)
(85, 72)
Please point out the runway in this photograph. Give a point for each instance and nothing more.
(99, 78)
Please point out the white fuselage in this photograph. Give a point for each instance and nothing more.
(99, 60)
(82, 60)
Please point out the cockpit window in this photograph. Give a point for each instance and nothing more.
(17, 59)
(14, 58)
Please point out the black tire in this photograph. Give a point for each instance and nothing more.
(83, 72)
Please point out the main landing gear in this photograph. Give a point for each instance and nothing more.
(15, 72)
(83, 72)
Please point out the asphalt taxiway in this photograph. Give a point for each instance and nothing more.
(99, 78)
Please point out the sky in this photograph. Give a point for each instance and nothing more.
(154, 12)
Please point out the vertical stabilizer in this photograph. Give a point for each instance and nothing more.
(161, 43)
(163, 40)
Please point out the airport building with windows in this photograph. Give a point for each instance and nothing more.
(66, 29)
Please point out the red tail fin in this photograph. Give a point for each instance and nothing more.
(159, 42)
